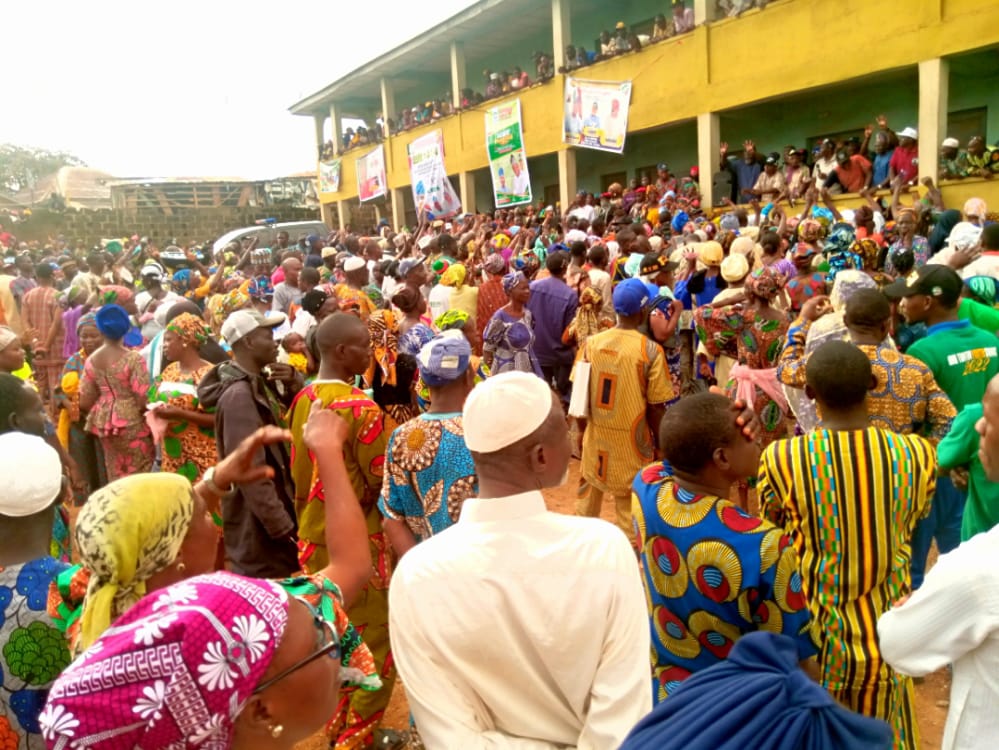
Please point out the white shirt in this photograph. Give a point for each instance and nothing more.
(954, 619)
(987, 264)
(520, 628)
(584, 212)
(439, 300)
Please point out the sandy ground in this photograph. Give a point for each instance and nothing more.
(931, 694)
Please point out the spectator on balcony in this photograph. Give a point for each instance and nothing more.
(544, 67)
(575, 57)
(494, 87)
(664, 180)
(905, 161)
(797, 175)
(953, 164)
(983, 161)
(885, 142)
(851, 174)
(825, 163)
(683, 18)
(608, 45)
(745, 171)
(771, 183)
(622, 42)
(660, 29)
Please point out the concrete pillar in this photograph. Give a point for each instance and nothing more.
(326, 214)
(566, 177)
(336, 125)
(343, 213)
(459, 72)
(398, 208)
(561, 33)
(934, 84)
(708, 140)
(466, 189)
(320, 121)
(388, 103)
(704, 11)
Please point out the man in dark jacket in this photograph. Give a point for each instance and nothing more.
(250, 392)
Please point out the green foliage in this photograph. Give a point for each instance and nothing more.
(20, 165)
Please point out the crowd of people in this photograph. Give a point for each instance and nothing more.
(244, 495)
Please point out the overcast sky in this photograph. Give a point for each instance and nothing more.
(187, 88)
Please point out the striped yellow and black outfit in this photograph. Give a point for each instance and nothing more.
(850, 500)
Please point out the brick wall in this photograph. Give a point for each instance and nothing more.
(197, 224)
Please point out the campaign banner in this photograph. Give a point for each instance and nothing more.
(329, 176)
(432, 190)
(596, 114)
(507, 160)
(371, 180)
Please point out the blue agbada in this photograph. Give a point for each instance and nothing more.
(757, 698)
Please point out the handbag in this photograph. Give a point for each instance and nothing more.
(579, 399)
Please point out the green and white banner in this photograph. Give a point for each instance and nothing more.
(507, 160)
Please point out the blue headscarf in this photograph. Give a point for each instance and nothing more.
(113, 322)
(679, 221)
(182, 280)
(758, 697)
(512, 279)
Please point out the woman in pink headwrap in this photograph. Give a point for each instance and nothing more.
(975, 211)
(759, 331)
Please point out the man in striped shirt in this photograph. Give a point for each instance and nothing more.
(849, 495)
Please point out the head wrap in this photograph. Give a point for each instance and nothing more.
(190, 328)
(384, 333)
(587, 320)
(848, 282)
(413, 340)
(114, 295)
(765, 283)
(975, 207)
(212, 638)
(260, 288)
(809, 230)
(233, 301)
(182, 280)
(444, 358)
(451, 320)
(127, 532)
(454, 276)
(7, 337)
(495, 264)
(868, 251)
(840, 238)
(88, 319)
(113, 322)
(511, 280)
(758, 691)
(984, 288)
(964, 236)
(743, 245)
(32, 474)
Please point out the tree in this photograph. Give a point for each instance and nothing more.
(21, 166)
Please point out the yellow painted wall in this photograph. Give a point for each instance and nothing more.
(726, 64)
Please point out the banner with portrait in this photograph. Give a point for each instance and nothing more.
(595, 114)
(432, 190)
(329, 176)
(371, 179)
(507, 159)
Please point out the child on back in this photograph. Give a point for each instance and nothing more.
(712, 572)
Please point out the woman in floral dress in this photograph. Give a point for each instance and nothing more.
(759, 331)
(113, 390)
(508, 341)
(82, 446)
(189, 436)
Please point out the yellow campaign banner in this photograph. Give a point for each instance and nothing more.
(596, 114)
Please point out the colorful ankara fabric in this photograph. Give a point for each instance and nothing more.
(850, 501)
(117, 414)
(800, 289)
(354, 300)
(190, 328)
(414, 338)
(358, 714)
(429, 473)
(174, 671)
(33, 652)
(491, 298)
(906, 398)
(627, 374)
(188, 449)
(511, 342)
(712, 573)
(758, 340)
(920, 250)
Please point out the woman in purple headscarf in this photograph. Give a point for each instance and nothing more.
(508, 339)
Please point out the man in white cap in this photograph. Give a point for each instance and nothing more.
(953, 164)
(33, 650)
(259, 528)
(350, 294)
(152, 296)
(517, 627)
(905, 160)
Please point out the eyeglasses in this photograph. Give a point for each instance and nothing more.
(331, 648)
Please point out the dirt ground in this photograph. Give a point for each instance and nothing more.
(931, 694)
